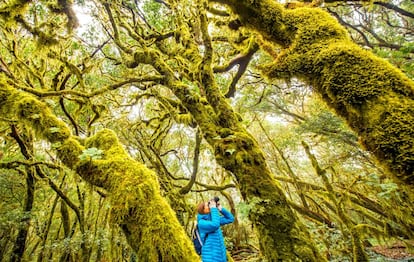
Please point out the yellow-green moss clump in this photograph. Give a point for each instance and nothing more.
(375, 98)
(282, 235)
(39, 117)
(149, 223)
(10, 9)
(69, 151)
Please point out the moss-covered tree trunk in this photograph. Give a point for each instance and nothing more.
(26, 148)
(149, 223)
(359, 253)
(20, 242)
(283, 237)
(375, 98)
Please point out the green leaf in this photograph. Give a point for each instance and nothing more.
(91, 153)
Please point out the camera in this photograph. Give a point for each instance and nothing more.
(216, 199)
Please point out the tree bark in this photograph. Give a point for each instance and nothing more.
(375, 98)
(282, 235)
(359, 253)
(148, 222)
(20, 242)
(66, 256)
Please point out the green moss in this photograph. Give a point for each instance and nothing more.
(107, 140)
(149, 223)
(186, 119)
(7, 99)
(32, 112)
(41, 119)
(11, 9)
(373, 97)
(392, 131)
(35, 114)
(282, 236)
(69, 151)
(275, 220)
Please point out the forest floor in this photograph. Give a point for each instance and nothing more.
(396, 252)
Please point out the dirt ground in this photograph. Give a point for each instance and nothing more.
(397, 251)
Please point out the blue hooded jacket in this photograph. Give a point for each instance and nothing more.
(213, 249)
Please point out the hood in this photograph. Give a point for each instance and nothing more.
(204, 216)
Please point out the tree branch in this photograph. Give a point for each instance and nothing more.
(196, 159)
(243, 61)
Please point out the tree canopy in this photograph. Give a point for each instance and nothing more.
(299, 113)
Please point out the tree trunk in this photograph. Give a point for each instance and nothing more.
(374, 97)
(20, 243)
(25, 144)
(148, 222)
(66, 256)
(282, 235)
(359, 253)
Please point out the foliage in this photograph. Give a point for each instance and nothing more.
(158, 78)
(91, 153)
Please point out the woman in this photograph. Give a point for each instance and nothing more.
(209, 222)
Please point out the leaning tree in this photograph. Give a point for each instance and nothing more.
(172, 57)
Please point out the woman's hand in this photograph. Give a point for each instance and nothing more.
(212, 203)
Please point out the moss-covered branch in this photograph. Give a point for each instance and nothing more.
(149, 223)
(385, 4)
(358, 248)
(374, 97)
(74, 93)
(196, 159)
(14, 12)
(243, 61)
(282, 235)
